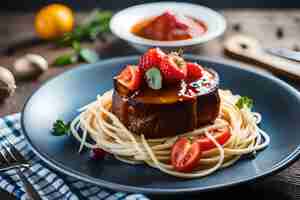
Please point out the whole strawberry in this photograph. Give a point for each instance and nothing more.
(151, 58)
(173, 68)
(194, 71)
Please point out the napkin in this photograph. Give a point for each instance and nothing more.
(51, 185)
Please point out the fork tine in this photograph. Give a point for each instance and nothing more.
(12, 151)
(8, 149)
(15, 152)
(10, 158)
(3, 157)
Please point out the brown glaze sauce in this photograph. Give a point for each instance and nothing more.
(170, 110)
(161, 30)
(186, 90)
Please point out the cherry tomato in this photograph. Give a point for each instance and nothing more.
(97, 154)
(131, 77)
(221, 135)
(185, 155)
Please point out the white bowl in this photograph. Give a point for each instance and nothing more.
(123, 21)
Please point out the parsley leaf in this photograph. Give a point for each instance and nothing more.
(60, 128)
(244, 102)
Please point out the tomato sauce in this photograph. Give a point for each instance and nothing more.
(169, 27)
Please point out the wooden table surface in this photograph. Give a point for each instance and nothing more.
(271, 27)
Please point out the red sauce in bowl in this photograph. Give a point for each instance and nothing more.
(169, 27)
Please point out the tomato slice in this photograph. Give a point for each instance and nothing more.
(221, 135)
(185, 155)
(130, 77)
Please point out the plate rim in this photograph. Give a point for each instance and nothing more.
(52, 163)
(219, 19)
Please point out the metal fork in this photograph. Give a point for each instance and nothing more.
(11, 158)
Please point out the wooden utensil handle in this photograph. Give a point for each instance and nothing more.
(248, 49)
(30, 190)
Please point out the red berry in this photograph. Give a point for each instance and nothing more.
(173, 68)
(97, 154)
(130, 77)
(194, 70)
(167, 26)
(172, 20)
(151, 58)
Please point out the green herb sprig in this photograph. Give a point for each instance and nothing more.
(60, 128)
(95, 24)
(78, 54)
(93, 27)
(244, 102)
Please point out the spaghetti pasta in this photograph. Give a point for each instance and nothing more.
(109, 134)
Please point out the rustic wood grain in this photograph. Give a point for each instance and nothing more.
(273, 28)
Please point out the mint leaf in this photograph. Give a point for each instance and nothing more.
(60, 128)
(244, 102)
(154, 78)
(89, 55)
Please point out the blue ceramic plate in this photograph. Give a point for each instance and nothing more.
(59, 98)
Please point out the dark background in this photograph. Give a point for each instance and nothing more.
(30, 5)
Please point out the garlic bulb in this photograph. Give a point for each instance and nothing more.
(7, 83)
(30, 66)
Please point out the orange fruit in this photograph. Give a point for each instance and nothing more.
(53, 21)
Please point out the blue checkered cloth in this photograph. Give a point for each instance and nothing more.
(50, 185)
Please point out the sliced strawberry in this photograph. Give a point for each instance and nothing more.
(130, 77)
(173, 68)
(160, 26)
(174, 20)
(151, 58)
(167, 26)
(194, 70)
